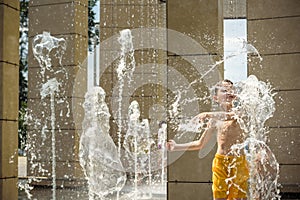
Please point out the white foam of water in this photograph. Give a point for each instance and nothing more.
(256, 106)
(138, 143)
(182, 127)
(97, 151)
(49, 88)
(124, 71)
(43, 44)
(26, 187)
(162, 137)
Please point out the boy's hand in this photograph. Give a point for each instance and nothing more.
(170, 145)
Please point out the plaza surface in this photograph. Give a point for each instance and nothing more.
(79, 193)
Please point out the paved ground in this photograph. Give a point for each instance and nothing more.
(45, 193)
(42, 193)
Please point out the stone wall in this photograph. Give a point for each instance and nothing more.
(62, 19)
(273, 28)
(146, 19)
(9, 101)
(185, 40)
(202, 21)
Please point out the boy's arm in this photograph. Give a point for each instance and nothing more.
(205, 116)
(191, 146)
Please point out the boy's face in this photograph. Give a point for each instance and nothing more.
(225, 94)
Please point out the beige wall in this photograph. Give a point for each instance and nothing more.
(188, 176)
(63, 19)
(273, 28)
(173, 64)
(9, 103)
(195, 22)
(134, 15)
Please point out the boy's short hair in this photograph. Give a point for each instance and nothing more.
(220, 84)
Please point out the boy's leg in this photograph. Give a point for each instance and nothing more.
(219, 172)
(242, 178)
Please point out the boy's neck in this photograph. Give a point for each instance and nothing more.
(226, 107)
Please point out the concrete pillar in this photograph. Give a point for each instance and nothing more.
(202, 21)
(63, 19)
(9, 90)
(234, 9)
(273, 28)
(149, 86)
(148, 76)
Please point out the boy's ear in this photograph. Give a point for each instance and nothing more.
(215, 98)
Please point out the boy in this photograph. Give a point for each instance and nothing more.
(230, 173)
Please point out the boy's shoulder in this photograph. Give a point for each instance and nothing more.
(213, 123)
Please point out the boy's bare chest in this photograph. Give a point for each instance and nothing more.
(228, 127)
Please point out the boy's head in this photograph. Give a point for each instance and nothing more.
(221, 84)
(224, 93)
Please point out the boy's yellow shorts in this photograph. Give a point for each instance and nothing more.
(230, 177)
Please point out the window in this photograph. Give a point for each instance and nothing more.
(235, 51)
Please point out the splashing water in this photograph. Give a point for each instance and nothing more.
(124, 71)
(194, 128)
(162, 137)
(174, 113)
(43, 44)
(256, 105)
(138, 143)
(133, 125)
(49, 88)
(97, 151)
(249, 48)
(245, 48)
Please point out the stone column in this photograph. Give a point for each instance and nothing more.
(273, 28)
(9, 91)
(66, 19)
(148, 86)
(201, 21)
(234, 9)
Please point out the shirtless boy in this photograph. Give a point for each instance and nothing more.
(228, 183)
